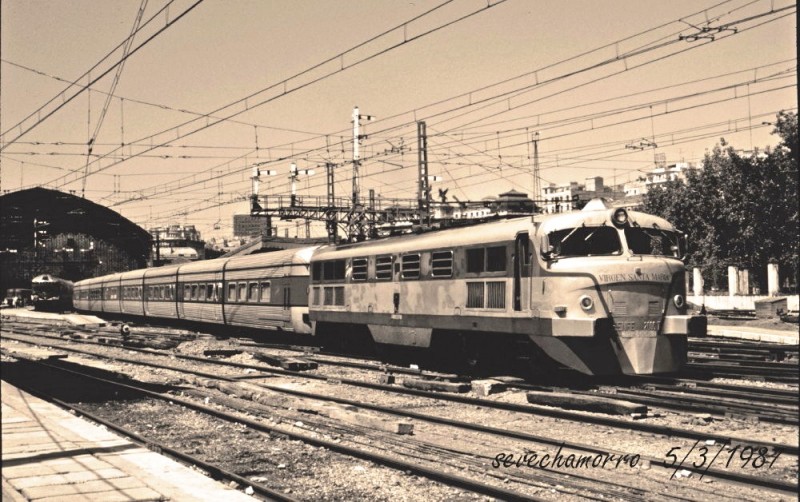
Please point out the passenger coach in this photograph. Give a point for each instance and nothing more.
(266, 290)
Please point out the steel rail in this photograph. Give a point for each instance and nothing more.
(214, 471)
(712, 472)
(527, 409)
(395, 463)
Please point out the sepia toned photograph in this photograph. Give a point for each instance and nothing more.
(427, 250)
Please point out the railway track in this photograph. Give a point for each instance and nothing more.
(553, 481)
(527, 409)
(737, 403)
(720, 474)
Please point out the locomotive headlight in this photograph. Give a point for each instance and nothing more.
(620, 217)
(679, 301)
(586, 303)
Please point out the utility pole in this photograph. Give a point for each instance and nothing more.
(423, 188)
(357, 137)
(331, 223)
(536, 188)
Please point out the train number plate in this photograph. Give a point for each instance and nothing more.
(631, 329)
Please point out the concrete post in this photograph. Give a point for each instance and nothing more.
(697, 283)
(773, 279)
(733, 280)
(744, 282)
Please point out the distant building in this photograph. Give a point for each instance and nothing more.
(569, 196)
(658, 176)
(172, 244)
(245, 225)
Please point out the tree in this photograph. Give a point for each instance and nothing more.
(739, 210)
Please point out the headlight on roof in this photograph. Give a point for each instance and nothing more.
(620, 217)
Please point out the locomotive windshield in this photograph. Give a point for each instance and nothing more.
(585, 241)
(653, 241)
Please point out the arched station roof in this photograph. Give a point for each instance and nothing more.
(66, 213)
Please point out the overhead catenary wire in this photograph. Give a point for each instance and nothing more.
(407, 124)
(81, 88)
(282, 88)
(125, 52)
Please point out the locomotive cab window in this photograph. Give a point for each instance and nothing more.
(585, 241)
(653, 241)
(409, 268)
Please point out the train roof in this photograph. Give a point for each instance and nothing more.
(48, 278)
(597, 218)
(295, 256)
(488, 233)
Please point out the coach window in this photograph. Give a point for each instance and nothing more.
(442, 264)
(496, 259)
(475, 259)
(383, 268)
(360, 269)
(242, 296)
(333, 270)
(409, 268)
(266, 292)
(252, 292)
(231, 291)
(201, 292)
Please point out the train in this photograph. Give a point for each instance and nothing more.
(601, 291)
(51, 293)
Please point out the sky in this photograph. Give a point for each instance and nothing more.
(204, 96)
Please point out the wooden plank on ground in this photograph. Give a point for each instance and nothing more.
(34, 353)
(287, 363)
(414, 383)
(356, 416)
(599, 404)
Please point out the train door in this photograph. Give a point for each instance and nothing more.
(522, 265)
(287, 296)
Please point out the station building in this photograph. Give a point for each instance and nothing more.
(48, 231)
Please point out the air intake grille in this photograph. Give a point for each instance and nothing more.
(620, 309)
(654, 308)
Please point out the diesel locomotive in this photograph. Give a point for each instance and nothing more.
(601, 291)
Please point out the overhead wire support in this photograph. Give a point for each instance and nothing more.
(110, 94)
